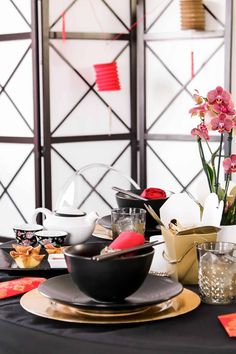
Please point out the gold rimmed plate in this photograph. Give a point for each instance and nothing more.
(106, 314)
(39, 305)
(153, 291)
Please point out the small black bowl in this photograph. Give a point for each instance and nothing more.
(124, 201)
(110, 280)
(53, 237)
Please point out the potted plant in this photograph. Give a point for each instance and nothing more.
(216, 113)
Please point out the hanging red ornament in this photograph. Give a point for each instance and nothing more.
(63, 33)
(107, 77)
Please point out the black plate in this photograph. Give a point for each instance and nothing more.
(8, 266)
(105, 221)
(153, 291)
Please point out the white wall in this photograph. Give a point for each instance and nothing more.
(233, 61)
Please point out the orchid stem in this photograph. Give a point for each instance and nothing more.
(226, 187)
(218, 168)
(204, 163)
(209, 147)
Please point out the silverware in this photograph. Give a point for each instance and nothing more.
(130, 194)
(153, 214)
(102, 257)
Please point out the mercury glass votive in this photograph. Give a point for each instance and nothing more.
(217, 272)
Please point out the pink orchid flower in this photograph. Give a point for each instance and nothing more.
(201, 131)
(219, 95)
(221, 101)
(199, 110)
(229, 164)
(222, 123)
(197, 98)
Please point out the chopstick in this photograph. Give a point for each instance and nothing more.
(153, 214)
(130, 194)
(114, 254)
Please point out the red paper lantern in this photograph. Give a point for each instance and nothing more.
(107, 77)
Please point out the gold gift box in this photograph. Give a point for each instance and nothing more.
(181, 252)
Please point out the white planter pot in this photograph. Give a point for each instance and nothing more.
(227, 233)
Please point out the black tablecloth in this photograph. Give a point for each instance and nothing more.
(196, 332)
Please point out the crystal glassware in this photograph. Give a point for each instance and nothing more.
(217, 272)
(127, 219)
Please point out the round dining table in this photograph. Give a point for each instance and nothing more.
(198, 331)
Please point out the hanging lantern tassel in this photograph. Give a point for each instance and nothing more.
(107, 77)
(192, 65)
(63, 33)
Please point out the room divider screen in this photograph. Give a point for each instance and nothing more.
(20, 163)
(54, 120)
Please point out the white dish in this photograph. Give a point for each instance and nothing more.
(57, 260)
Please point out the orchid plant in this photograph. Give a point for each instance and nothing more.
(216, 112)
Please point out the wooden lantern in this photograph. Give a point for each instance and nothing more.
(192, 15)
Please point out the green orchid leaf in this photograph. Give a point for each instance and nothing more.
(221, 193)
(210, 174)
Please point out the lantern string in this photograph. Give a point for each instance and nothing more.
(63, 35)
(192, 65)
(136, 23)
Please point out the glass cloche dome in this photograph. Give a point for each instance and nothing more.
(90, 188)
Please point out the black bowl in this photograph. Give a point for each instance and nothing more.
(124, 201)
(110, 280)
(53, 237)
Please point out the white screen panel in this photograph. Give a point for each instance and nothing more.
(90, 16)
(170, 16)
(82, 154)
(169, 21)
(91, 115)
(11, 54)
(16, 101)
(17, 175)
(166, 98)
(11, 20)
(183, 164)
(25, 8)
(23, 99)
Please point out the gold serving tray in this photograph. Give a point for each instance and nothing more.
(39, 305)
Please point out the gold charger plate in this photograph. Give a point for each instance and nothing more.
(39, 305)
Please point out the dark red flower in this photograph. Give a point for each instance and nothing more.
(153, 193)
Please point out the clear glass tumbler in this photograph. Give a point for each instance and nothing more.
(217, 272)
(128, 219)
